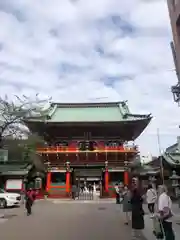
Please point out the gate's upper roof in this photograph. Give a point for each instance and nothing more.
(101, 119)
(88, 112)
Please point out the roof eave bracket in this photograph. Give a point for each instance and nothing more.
(52, 111)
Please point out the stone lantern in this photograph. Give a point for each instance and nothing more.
(38, 181)
(175, 183)
(25, 181)
(126, 165)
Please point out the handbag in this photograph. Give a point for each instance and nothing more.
(167, 213)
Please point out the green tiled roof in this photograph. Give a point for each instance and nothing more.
(90, 112)
(172, 154)
(172, 158)
(86, 115)
(11, 168)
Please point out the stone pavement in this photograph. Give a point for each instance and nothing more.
(7, 214)
(67, 222)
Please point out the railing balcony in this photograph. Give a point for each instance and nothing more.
(101, 149)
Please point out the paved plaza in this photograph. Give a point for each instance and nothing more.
(84, 221)
(66, 220)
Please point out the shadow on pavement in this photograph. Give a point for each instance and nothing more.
(9, 216)
(102, 208)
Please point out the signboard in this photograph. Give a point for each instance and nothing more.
(3, 155)
(14, 184)
(56, 169)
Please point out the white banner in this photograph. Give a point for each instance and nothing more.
(14, 184)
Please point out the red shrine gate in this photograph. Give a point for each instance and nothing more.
(88, 142)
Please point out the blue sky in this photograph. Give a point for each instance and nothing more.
(83, 50)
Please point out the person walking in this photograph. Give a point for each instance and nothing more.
(74, 191)
(137, 217)
(117, 193)
(165, 212)
(151, 197)
(30, 197)
(126, 195)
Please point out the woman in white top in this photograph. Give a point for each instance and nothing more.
(117, 193)
(151, 197)
(165, 211)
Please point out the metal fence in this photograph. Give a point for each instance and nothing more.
(86, 196)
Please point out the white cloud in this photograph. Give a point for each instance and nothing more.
(68, 50)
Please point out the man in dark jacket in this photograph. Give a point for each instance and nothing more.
(30, 197)
(137, 218)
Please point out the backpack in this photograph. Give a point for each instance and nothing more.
(29, 196)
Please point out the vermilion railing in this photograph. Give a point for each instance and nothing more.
(76, 150)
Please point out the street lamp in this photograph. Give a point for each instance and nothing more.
(38, 181)
(126, 165)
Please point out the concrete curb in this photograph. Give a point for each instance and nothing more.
(1, 215)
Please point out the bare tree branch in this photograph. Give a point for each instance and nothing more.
(12, 115)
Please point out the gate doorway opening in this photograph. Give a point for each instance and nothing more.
(88, 182)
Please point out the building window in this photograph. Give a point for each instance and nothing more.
(113, 144)
(87, 145)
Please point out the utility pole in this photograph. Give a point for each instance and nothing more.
(160, 156)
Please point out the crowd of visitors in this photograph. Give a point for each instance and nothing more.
(132, 198)
(159, 205)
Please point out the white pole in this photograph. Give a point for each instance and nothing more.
(160, 155)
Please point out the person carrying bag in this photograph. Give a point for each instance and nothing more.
(165, 213)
